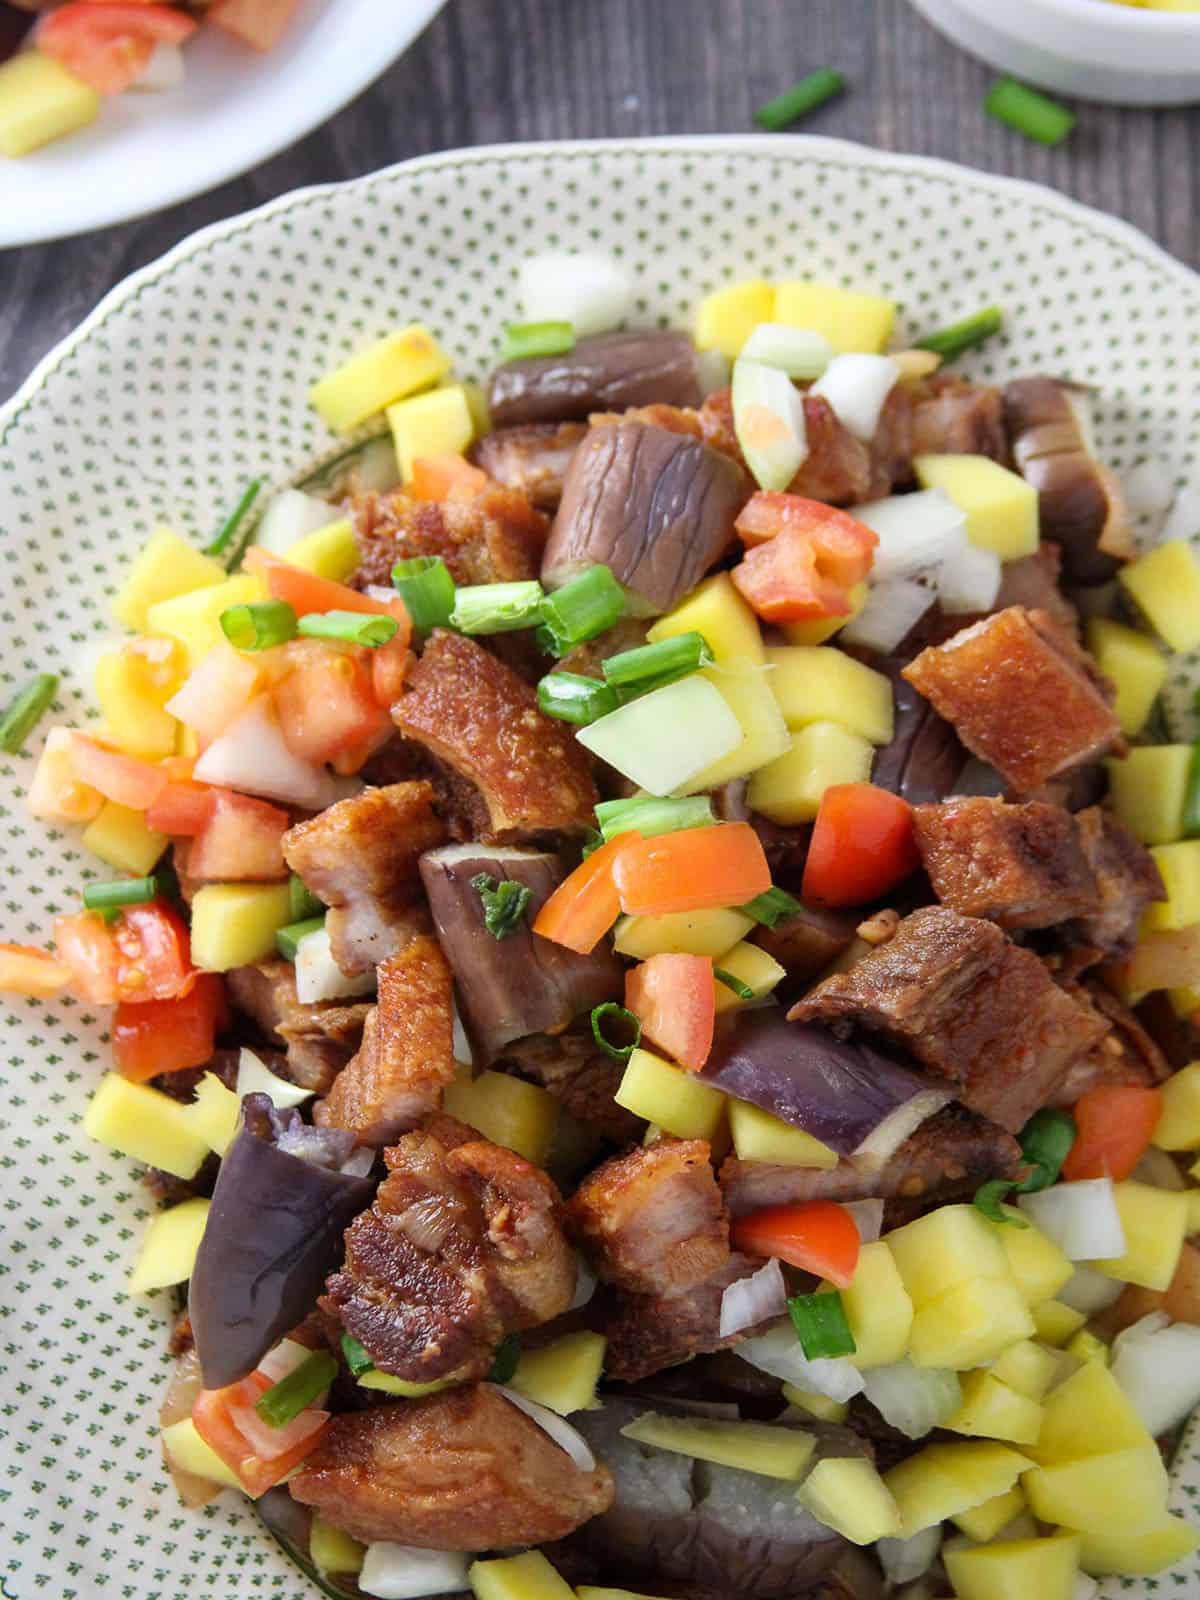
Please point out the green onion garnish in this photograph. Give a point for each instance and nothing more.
(26, 711)
(959, 336)
(990, 1197)
(771, 907)
(355, 627)
(508, 1354)
(302, 902)
(286, 939)
(591, 843)
(610, 1008)
(821, 1326)
(1191, 798)
(121, 892)
(427, 589)
(234, 520)
(653, 666)
(587, 606)
(504, 904)
(573, 698)
(649, 816)
(525, 339)
(742, 990)
(1030, 113)
(496, 607)
(356, 1355)
(1045, 1141)
(285, 1400)
(260, 625)
(800, 99)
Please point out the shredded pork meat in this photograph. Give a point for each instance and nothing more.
(492, 537)
(318, 1039)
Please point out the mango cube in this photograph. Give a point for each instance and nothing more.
(788, 790)
(689, 933)
(760, 1447)
(1086, 1415)
(169, 1247)
(131, 691)
(188, 1452)
(525, 1577)
(849, 1496)
(1164, 584)
(216, 1113)
(438, 423)
(654, 1089)
(1035, 1261)
(1056, 1322)
(970, 1325)
(56, 793)
(878, 1309)
(145, 1124)
(1179, 1126)
(1000, 507)
(751, 965)
(716, 611)
(195, 618)
(1123, 1491)
(818, 629)
(1015, 1570)
(386, 371)
(850, 321)
(1027, 1367)
(758, 1136)
(943, 1480)
(1155, 1223)
(1134, 663)
(823, 684)
(1154, 1549)
(1179, 865)
(746, 688)
(167, 566)
(1085, 1346)
(329, 552)
(726, 318)
(984, 1522)
(991, 1410)
(1185, 1001)
(120, 837)
(332, 1550)
(816, 1405)
(41, 100)
(234, 924)
(510, 1112)
(562, 1375)
(389, 1383)
(946, 1248)
(1147, 790)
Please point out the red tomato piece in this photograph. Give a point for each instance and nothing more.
(306, 593)
(124, 779)
(259, 23)
(170, 1035)
(818, 1237)
(693, 870)
(86, 947)
(390, 665)
(846, 547)
(217, 1414)
(241, 842)
(584, 906)
(1116, 1123)
(217, 692)
(862, 845)
(672, 997)
(183, 809)
(24, 969)
(803, 558)
(446, 477)
(108, 43)
(326, 702)
(154, 953)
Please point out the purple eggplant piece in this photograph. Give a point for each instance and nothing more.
(607, 372)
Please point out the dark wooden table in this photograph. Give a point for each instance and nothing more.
(487, 71)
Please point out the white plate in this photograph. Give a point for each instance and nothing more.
(188, 380)
(234, 109)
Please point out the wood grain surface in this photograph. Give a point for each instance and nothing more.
(487, 71)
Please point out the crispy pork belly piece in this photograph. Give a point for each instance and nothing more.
(651, 1221)
(318, 1039)
(581, 1076)
(1125, 1055)
(407, 1053)
(463, 1470)
(956, 418)
(1128, 880)
(495, 536)
(532, 458)
(463, 1245)
(482, 721)
(975, 1008)
(1021, 695)
(360, 857)
(606, 372)
(1021, 866)
(891, 446)
(647, 1333)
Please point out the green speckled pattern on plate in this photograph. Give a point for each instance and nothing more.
(189, 380)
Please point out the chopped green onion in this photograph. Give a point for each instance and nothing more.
(302, 902)
(959, 336)
(356, 1355)
(355, 627)
(649, 816)
(1030, 113)
(619, 1052)
(589, 605)
(742, 990)
(573, 698)
(525, 339)
(653, 666)
(26, 711)
(285, 1400)
(427, 589)
(771, 907)
(286, 939)
(591, 843)
(1046, 1141)
(504, 904)
(234, 520)
(821, 1326)
(508, 1354)
(260, 625)
(1191, 799)
(122, 892)
(800, 352)
(497, 607)
(990, 1197)
(800, 99)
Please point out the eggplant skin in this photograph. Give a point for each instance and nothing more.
(608, 372)
(274, 1233)
(656, 507)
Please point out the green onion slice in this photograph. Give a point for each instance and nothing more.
(121, 892)
(234, 520)
(965, 335)
(260, 625)
(650, 816)
(1045, 1141)
(427, 589)
(285, 1400)
(587, 606)
(742, 990)
(771, 907)
(629, 1022)
(990, 1197)
(1030, 113)
(573, 698)
(821, 1325)
(356, 1355)
(653, 666)
(504, 904)
(525, 339)
(508, 1354)
(800, 99)
(26, 711)
(483, 608)
(355, 627)
(1191, 798)
(302, 902)
(286, 939)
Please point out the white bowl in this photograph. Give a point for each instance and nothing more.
(1088, 48)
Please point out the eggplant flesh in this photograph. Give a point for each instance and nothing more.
(608, 372)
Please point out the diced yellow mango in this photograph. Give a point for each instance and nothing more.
(970, 1325)
(1185, 1001)
(1179, 1126)
(40, 100)
(751, 965)
(1147, 790)
(1131, 1555)
(562, 1375)
(717, 611)
(216, 1112)
(435, 424)
(1192, 1196)
(943, 1480)
(690, 933)
(195, 618)
(984, 1522)
(1124, 1491)
(1086, 1346)
(332, 1550)
(878, 1309)
(848, 1495)
(166, 567)
(385, 372)
(525, 1577)
(1134, 663)
(945, 1248)
(789, 789)
(991, 1410)
(1056, 1322)
(816, 1405)
(56, 793)
(850, 321)
(134, 719)
(169, 1246)
(758, 1136)
(188, 1452)
(1086, 1415)
(234, 924)
(726, 318)
(745, 687)
(822, 628)
(1000, 507)
(330, 552)
(388, 1383)
(477, 405)
(824, 684)
(1179, 865)
(145, 1124)
(1027, 1367)
(120, 837)
(1017, 1569)
(518, 1115)
(1034, 1260)
(760, 1447)
(675, 1100)
(1164, 584)
(1155, 1223)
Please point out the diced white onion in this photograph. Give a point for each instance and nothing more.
(1082, 1218)
(1090, 1291)
(868, 1219)
(376, 471)
(666, 737)
(291, 516)
(564, 1435)
(758, 1298)
(460, 1043)
(906, 1560)
(915, 531)
(893, 609)
(968, 580)
(800, 352)
(1159, 1369)
(251, 755)
(402, 1572)
(914, 1400)
(1184, 519)
(768, 418)
(318, 976)
(164, 70)
(286, 1356)
(712, 371)
(1085, 1588)
(1148, 490)
(255, 1077)
(780, 1353)
(585, 1285)
(857, 387)
(886, 1138)
(591, 292)
(358, 1163)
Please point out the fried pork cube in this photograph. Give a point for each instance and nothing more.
(532, 457)
(647, 1333)
(495, 536)
(956, 418)
(462, 1470)
(1033, 582)
(837, 469)
(1021, 695)
(1125, 1056)
(319, 1039)
(1128, 879)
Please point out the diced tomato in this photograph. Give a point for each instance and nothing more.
(169, 1035)
(125, 779)
(259, 23)
(306, 593)
(846, 546)
(803, 559)
(326, 703)
(390, 665)
(584, 906)
(241, 842)
(672, 997)
(108, 43)
(217, 692)
(144, 955)
(220, 1416)
(818, 1237)
(862, 845)
(57, 792)
(85, 945)
(271, 1444)
(1116, 1123)
(24, 969)
(446, 477)
(355, 758)
(693, 870)
(182, 809)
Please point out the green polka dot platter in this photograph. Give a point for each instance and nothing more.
(189, 380)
